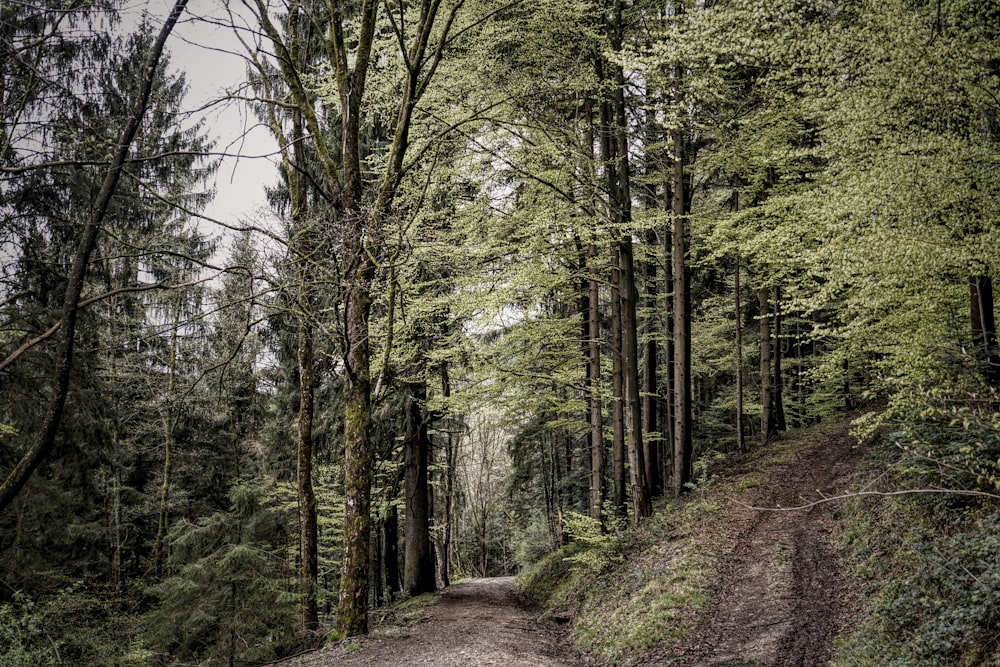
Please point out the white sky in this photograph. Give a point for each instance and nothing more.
(208, 54)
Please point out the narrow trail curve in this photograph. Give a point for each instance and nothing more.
(482, 622)
(780, 600)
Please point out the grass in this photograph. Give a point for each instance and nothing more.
(645, 589)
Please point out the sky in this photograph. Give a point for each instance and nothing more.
(209, 55)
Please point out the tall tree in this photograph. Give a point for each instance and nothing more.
(362, 210)
(66, 325)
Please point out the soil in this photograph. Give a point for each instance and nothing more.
(483, 622)
(780, 600)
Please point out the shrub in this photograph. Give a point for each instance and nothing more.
(24, 641)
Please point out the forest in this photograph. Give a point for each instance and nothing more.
(525, 271)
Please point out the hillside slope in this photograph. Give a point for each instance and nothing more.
(714, 580)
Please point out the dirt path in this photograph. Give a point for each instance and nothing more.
(479, 623)
(779, 602)
(781, 598)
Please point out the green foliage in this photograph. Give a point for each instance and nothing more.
(934, 588)
(24, 640)
(947, 429)
(231, 595)
(929, 561)
(598, 548)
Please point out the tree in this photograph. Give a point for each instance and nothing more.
(362, 209)
(66, 325)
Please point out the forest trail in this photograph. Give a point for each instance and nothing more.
(781, 598)
(779, 601)
(483, 622)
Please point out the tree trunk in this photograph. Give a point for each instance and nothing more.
(767, 425)
(359, 461)
(741, 444)
(778, 403)
(682, 326)
(984, 330)
(650, 388)
(308, 505)
(390, 555)
(630, 361)
(617, 390)
(597, 490)
(668, 326)
(451, 459)
(418, 561)
(595, 398)
(45, 439)
(169, 419)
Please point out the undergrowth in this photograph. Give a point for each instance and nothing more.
(930, 573)
(930, 563)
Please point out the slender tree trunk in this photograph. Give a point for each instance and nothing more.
(393, 582)
(45, 439)
(767, 425)
(846, 368)
(630, 361)
(169, 419)
(308, 505)
(117, 574)
(650, 388)
(451, 459)
(617, 390)
(668, 325)
(778, 404)
(418, 561)
(597, 490)
(741, 444)
(650, 376)
(984, 330)
(683, 454)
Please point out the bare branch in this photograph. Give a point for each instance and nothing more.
(865, 494)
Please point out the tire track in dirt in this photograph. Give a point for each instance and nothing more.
(780, 599)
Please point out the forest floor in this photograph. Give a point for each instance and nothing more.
(782, 597)
(779, 600)
(479, 622)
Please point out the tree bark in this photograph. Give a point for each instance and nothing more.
(169, 419)
(418, 561)
(650, 388)
(305, 357)
(617, 390)
(641, 503)
(451, 459)
(683, 464)
(390, 531)
(45, 439)
(741, 443)
(778, 403)
(984, 330)
(767, 425)
(308, 505)
(597, 490)
(359, 463)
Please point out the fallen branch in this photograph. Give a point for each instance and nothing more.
(863, 494)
